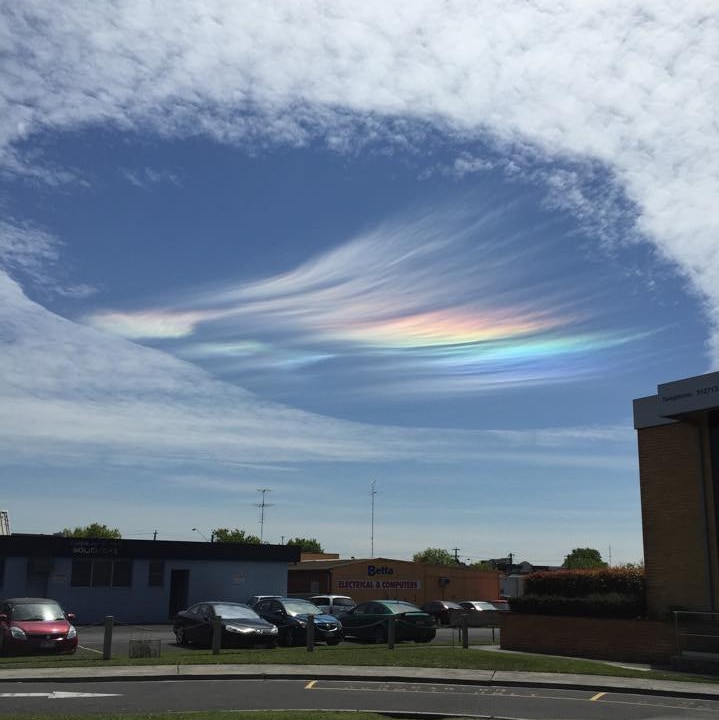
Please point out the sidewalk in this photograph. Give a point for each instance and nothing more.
(489, 678)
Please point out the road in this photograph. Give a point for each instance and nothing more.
(80, 698)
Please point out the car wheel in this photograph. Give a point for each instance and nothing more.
(379, 635)
(180, 636)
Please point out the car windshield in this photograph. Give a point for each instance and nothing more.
(229, 610)
(343, 602)
(401, 607)
(301, 607)
(38, 611)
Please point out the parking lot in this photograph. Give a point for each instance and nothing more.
(161, 637)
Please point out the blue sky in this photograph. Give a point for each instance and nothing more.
(308, 248)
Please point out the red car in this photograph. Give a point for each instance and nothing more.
(35, 625)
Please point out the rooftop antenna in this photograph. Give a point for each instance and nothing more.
(372, 493)
(262, 505)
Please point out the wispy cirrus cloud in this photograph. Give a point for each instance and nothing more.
(453, 295)
(72, 396)
(629, 85)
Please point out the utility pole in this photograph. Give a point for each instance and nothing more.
(262, 505)
(372, 493)
(456, 556)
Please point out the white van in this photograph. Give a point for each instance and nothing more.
(333, 604)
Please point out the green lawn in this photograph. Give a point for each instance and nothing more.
(405, 655)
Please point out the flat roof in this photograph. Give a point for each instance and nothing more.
(676, 398)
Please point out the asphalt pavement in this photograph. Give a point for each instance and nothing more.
(488, 678)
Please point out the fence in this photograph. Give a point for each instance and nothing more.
(697, 633)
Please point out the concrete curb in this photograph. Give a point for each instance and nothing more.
(487, 678)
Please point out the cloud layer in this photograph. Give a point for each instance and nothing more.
(633, 85)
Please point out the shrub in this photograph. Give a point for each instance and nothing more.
(615, 605)
(607, 592)
(581, 583)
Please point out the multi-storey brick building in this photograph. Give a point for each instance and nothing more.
(678, 437)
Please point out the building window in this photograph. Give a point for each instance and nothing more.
(101, 573)
(156, 573)
(2, 571)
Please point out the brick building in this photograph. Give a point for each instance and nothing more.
(374, 578)
(678, 439)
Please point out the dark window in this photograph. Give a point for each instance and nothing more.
(101, 573)
(156, 573)
(122, 573)
(81, 573)
(2, 571)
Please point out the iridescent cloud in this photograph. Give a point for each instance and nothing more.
(448, 294)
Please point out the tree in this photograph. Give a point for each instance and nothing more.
(482, 565)
(223, 535)
(308, 545)
(435, 556)
(584, 559)
(94, 530)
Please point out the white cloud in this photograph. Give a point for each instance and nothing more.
(633, 85)
(73, 396)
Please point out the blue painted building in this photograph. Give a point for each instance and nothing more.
(138, 580)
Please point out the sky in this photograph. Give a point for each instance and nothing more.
(402, 265)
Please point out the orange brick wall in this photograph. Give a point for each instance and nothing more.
(421, 582)
(642, 641)
(675, 485)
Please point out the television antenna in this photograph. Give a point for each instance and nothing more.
(372, 492)
(262, 505)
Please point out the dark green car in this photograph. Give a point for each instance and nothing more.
(369, 621)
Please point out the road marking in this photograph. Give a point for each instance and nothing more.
(90, 649)
(310, 684)
(58, 695)
(598, 696)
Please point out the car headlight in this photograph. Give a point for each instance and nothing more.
(71, 633)
(301, 623)
(17, 633)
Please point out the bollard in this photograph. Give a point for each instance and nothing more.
(216, 635)
(310, 633)
(107, 642)
(464, 627)
(391, 632)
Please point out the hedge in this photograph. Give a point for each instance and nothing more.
(608, 592)
(581, 583)
(615, 605)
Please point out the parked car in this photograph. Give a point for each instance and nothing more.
(336, 605)
(30, 625)
(254, 599)
(480, 613)
(241, 625)
(502, 605)
(445, 612)
(370, 621)
(291, 616)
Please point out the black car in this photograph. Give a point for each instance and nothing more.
(291, 617)
(241, 625)
(445, 612)
(370, 621)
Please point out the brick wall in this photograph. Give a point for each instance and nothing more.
(679, 535)
(642, 641)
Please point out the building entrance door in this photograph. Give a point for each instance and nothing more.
(179, 587)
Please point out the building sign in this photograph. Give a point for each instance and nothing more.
(94, 547)
(682, 396)
(376, 584)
